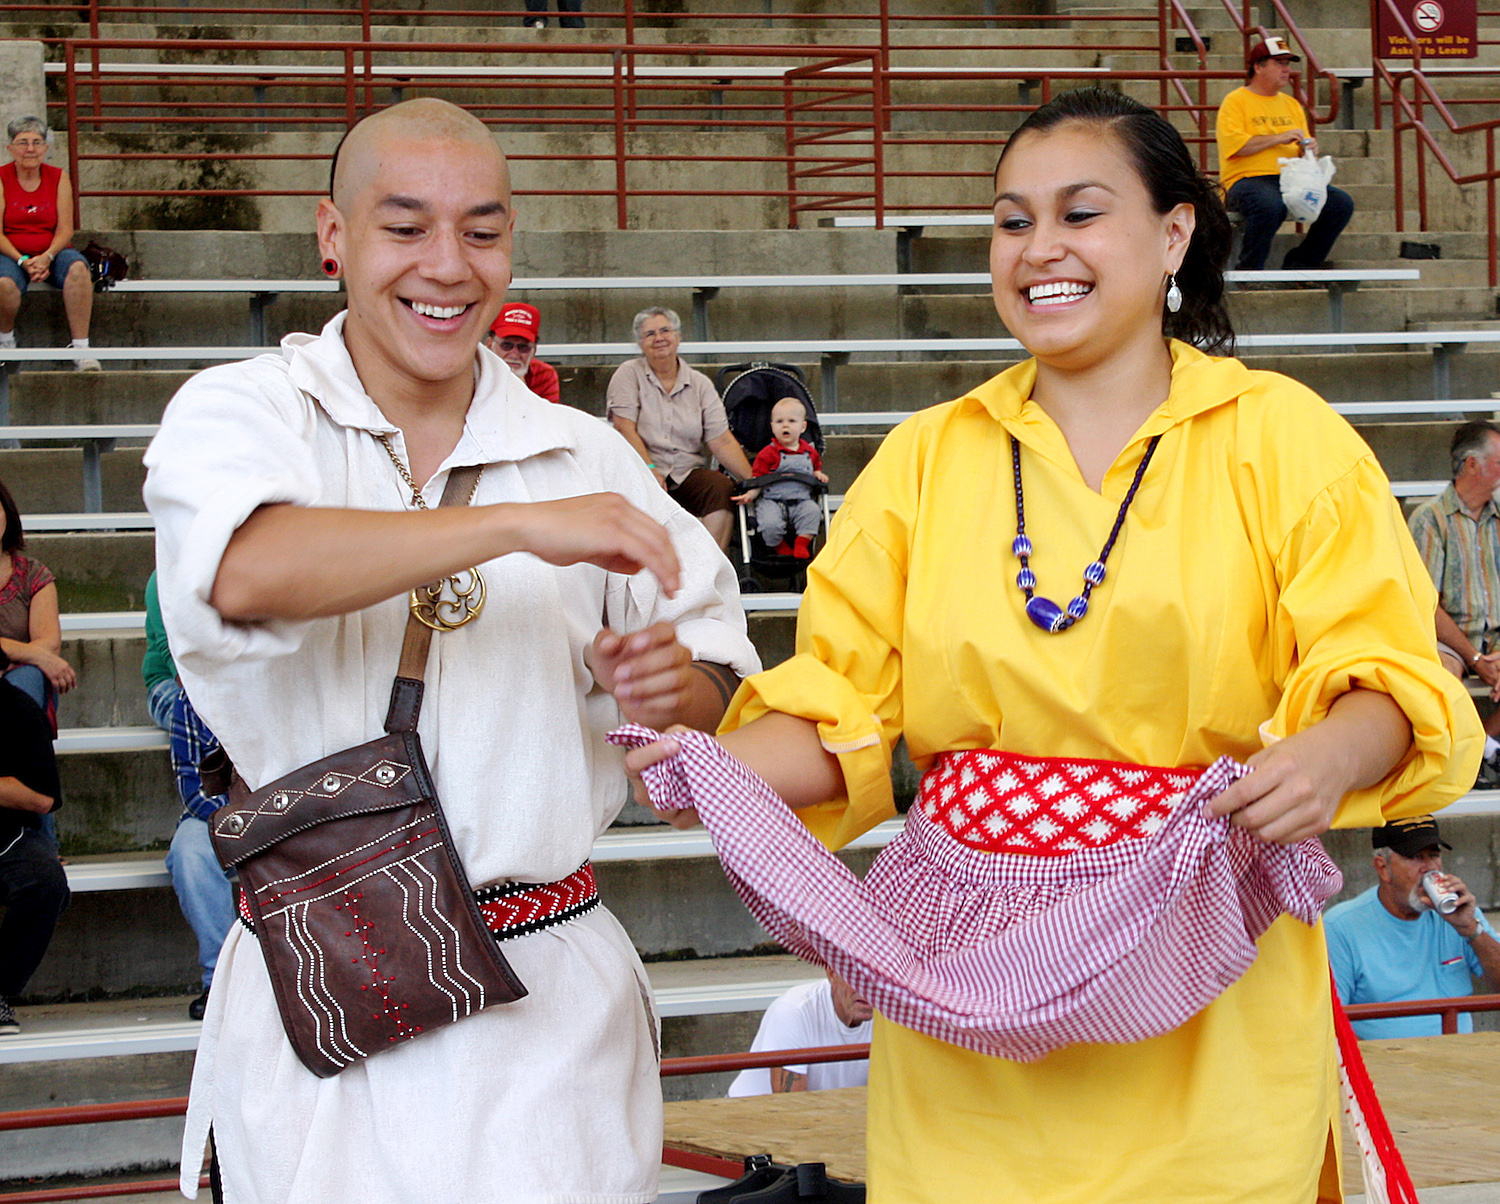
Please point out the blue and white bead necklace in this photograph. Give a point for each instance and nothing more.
(1044, 612)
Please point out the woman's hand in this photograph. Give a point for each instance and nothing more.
(744, 499)
(38, 267)
(58, 671)
(648, 672)
(638, 760)
(1285, 798)
(1295, 787)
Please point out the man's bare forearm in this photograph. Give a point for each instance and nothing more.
(295, 562)
(1449, 632)
(298, 562)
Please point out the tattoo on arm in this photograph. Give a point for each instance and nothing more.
(725, 679)
(784, 1080)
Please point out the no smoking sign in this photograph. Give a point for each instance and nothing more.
(1427, 16)
(1442, 29)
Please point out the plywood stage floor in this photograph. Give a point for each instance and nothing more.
(1438, 1094)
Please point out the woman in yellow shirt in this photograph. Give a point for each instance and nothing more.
(1261, 600)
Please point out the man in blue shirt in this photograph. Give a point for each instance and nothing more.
(1390, 944)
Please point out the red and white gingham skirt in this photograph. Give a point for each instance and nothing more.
(1012, 955)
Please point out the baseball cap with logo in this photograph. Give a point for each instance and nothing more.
(1408, 836)
(1273, 48)
(517, 320)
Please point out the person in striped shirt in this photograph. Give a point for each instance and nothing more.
(1458, 536)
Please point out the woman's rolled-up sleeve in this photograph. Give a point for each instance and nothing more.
(228, 444)
(1356, 610)
(845, 676)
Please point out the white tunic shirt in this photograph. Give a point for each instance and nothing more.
(555, 1096)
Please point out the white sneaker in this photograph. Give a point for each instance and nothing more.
(88, 364)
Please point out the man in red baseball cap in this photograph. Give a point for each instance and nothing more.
(1258, 126)
(513, 337)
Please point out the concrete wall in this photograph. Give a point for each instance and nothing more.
(22, 86)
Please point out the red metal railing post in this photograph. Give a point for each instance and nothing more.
(630, 21)
(351, 108)
(96, 80)
(877, 137)
(620, 207)
(885, 57)
(1398, 172)
(1421, 157)
(70, 108)
(364, 21)
(789, 139)
(93, 18)
(1163, 26)
(1489, 200)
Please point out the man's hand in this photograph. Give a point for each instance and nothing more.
(1283, 799)
(1487, 669)
(1461, 917)
(601, 529)
(638, 760)
(648, 673)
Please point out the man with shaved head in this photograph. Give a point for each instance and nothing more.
(296, 502)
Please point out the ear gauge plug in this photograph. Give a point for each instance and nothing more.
(330, 267)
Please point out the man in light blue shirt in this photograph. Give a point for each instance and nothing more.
(1390, 944)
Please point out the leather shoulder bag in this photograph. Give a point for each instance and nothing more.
(347, 872)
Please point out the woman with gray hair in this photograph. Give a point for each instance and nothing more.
(36, 200)
(669, 412)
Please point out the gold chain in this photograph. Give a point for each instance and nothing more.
(449, 603)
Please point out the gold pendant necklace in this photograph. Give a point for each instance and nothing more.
(446, 604)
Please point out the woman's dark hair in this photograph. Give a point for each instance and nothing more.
(1162, 161)
(15, 537)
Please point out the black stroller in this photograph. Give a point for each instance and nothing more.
(749, 392)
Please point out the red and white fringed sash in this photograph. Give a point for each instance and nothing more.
(1013, 956)
(518, 908)
(1387, 1180)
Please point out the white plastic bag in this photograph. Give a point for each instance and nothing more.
(1304, 185)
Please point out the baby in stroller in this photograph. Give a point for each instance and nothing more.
(788, 502)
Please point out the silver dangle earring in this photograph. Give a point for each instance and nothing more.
(1174, 294)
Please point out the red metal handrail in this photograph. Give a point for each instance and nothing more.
(1407, 116)
(825, 106)
(84, 1114)
(831, 147)
(1449, 1009)
(1315, 71)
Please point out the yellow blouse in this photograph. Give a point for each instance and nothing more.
(1263, 570)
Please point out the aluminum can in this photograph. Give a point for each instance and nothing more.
(1446, 901)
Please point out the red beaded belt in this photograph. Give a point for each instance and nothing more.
(1002, 802)
(517, 908)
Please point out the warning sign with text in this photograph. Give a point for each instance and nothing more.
(1444, 29)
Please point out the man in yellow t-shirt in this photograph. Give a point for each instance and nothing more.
(1259, 125)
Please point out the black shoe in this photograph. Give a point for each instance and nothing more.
(198, 1007)
(9, 1025)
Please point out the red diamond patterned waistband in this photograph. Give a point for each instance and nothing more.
(518, 908)
(1047, 806)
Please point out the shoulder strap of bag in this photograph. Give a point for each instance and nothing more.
(406, 690)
